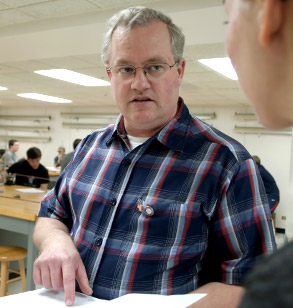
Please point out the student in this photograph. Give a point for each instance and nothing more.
(10, 157)
(260, 45)
(160, 202)
(29, 172)
(59, 157)
(67, 158)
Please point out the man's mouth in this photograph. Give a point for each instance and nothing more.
(141, 99)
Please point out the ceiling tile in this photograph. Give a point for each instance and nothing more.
(59, 8)
(11, 17)
(19, 3)
(117, 3)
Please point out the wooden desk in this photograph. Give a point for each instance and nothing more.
(54, 173)
(8, 191)
(20, 216)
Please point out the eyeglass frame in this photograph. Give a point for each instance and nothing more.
(108, 69)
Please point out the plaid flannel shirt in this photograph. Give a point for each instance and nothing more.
(184, 208)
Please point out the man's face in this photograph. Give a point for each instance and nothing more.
(146, 105)
(14, 148)
(34, 162)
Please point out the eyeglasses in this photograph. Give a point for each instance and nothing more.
(153, 71)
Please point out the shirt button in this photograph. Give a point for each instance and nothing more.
(127, 162)
(99, 241)
(113, 201)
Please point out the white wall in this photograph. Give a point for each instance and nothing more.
(275, 151)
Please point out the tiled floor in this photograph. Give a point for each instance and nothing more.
(15, 287)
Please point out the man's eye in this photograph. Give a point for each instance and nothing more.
(155, 67)
(126, 70)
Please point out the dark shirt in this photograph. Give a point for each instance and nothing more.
(27, 176)
(66, 160)
(270, 285)
(269, 182)
(175, 212)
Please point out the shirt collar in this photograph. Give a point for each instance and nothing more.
(173, 135)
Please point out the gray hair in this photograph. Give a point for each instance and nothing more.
(139, 16)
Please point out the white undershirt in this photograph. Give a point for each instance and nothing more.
(136, 141)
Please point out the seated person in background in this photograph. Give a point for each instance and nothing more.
(9, 157)
(269, 182)
(67, 158)
(29, 172)
(59, 157)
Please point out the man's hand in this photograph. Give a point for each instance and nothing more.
(59, 264)
(219, 295)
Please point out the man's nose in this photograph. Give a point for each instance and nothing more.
(140, 80)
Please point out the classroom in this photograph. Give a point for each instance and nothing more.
(67, 34)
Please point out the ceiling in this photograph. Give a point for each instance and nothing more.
(46, 34)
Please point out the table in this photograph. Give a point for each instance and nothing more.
(19, 215)
(9, 191)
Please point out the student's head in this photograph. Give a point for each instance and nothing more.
(61, 150)
(260, 45)
(34, 157)
(13, 145)
(75, 143)
(143, 54)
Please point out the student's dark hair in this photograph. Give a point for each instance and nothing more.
(33, 153)
(11, 142)
(75, 143)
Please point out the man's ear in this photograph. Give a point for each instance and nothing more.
(180, 70)
(109, 73)
(270, 18)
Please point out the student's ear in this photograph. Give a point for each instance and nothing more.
(270, 18)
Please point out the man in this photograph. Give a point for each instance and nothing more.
(29, 172)
(67, 158)
(10, 157)
(160, 202)
(260, 45)
(270, 185)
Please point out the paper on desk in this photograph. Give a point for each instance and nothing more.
(30, 190)
(43, 298)
(153, 300)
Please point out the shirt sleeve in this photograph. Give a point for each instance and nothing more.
(240, 229)
(56, 203)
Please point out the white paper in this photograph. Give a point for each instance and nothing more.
(53, 169)
(43, 298)
(134, 300)
(30, 190)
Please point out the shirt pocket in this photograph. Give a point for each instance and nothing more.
(172, 231)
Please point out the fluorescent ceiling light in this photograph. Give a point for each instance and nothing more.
(2, 88)
(74, 77)
(221, 65)
(45, 98)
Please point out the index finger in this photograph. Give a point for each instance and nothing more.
(68, 273)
